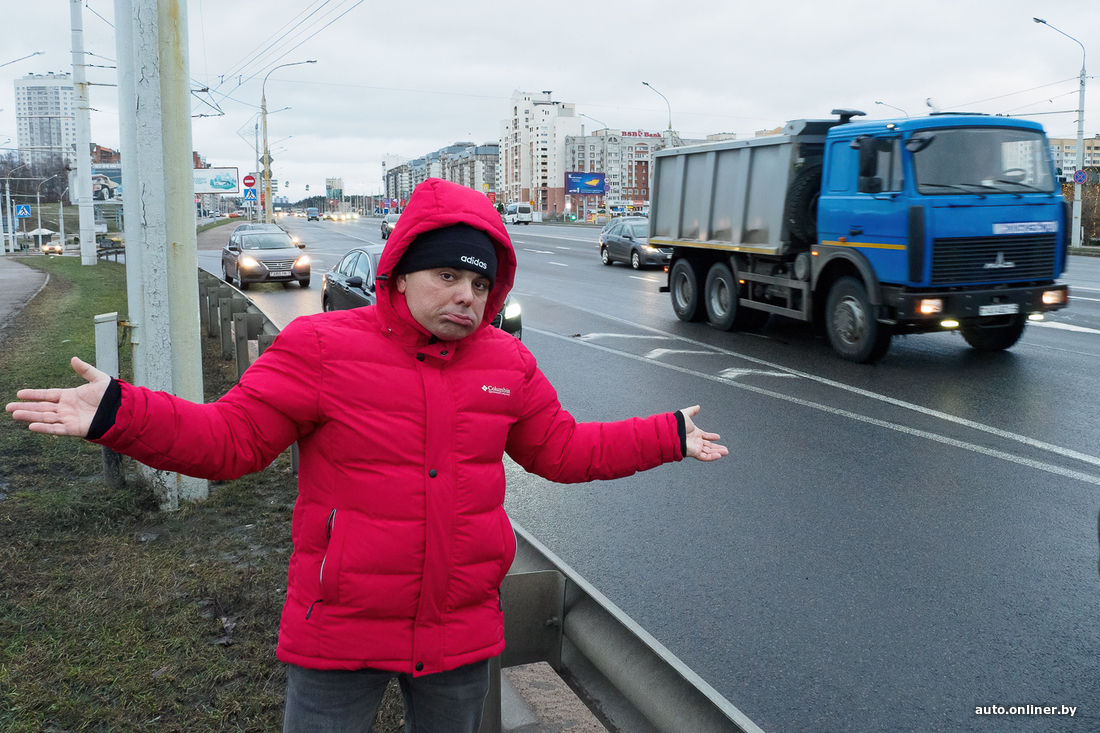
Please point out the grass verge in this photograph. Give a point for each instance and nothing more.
(114, 616)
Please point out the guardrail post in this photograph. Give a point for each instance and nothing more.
(225, 315)
(240, 337)
(106, 360)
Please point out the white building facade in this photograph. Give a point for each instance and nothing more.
(1064, 153)
(464, 163)
(532, 152)
(45, 119)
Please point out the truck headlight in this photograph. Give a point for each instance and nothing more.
(1054, 297)
(930, 306)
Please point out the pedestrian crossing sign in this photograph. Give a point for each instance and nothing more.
(22, 211)
(250, 194)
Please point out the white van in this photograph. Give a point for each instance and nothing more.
(518, 214)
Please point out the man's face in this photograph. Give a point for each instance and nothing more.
(449, 303)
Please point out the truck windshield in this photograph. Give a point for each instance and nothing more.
(981, 161)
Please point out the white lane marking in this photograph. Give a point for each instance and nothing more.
(1042, 445)
(559, 264)
(594, 336)
(538, 251)
(1009, 457)
(1078, 297)
(646, 279)
(735, 373)
(658, 353)
(1063, 326)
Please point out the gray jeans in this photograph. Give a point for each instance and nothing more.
(338, 701)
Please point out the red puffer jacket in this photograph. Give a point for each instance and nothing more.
(400, 537)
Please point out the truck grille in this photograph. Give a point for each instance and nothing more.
(993, 259)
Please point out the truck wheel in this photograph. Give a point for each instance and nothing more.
(994, 338)
(721, 295)
(850, 322)
(683, 284)
(800, 210)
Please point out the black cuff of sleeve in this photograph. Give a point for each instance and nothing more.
(107, 411)
(681, 429)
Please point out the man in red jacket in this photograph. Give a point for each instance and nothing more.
(400, 536)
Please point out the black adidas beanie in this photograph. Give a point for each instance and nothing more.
(459, 246)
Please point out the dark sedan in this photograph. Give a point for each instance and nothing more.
(263, 255)
(627, 240)
(350, 284)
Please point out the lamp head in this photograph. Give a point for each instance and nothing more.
(1039, 20)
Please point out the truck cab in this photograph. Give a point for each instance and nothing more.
(948, 218)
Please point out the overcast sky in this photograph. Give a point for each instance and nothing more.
(406, 78)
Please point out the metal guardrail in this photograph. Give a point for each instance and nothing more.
(627, 678)
(629, 681)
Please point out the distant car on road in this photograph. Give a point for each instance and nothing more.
(53, 248)
(389, 221)
(627, 240)
(262, 255)
(518, 214)
(312, 215)
(350, 284)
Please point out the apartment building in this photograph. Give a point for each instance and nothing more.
(45, 117)
(465, 163)
(1064, 152)
(625, 157)
(532, 163)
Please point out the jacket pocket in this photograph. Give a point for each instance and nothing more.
(330, 563)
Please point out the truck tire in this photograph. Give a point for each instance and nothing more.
(994, 338)
(720, 296)
(800, 210)
(850, 323)
(683, 285)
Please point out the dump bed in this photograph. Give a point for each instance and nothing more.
(732, 195)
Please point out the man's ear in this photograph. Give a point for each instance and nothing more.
(400, 282)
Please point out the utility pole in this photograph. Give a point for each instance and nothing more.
(158, 182)
(82, 115)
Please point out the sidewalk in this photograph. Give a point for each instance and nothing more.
(18, 284)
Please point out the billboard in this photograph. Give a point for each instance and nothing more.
(106, 182)
(585, 183)
(217, 180)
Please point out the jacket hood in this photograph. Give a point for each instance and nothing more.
(436, 203)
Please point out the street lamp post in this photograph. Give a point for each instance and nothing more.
(669, 108)
(899, 109)
(1080, 165)
(38, 205)
(9, 232)
(267, 154)
(36, 53)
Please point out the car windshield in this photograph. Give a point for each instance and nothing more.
(266, 240)
(981, 161)
(391, 218)
(640, 229)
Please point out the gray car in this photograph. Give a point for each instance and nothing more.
(256, 256)
(388, 223)
(627, 240)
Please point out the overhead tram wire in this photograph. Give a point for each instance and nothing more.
(252, 56)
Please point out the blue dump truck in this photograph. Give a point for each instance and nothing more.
(867, 229)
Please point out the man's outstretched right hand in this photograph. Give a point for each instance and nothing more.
(63, 411)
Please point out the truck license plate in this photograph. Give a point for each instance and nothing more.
(1001, 309)
(284, 273)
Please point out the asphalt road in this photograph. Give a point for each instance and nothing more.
(887, 548)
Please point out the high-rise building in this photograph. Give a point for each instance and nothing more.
(45, 119)
(465, 163)
(1064, 153)
(532, 161)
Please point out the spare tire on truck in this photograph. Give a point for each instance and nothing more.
(800, 210)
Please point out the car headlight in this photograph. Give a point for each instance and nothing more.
(302, 261)
(512, 311)
(247, 261)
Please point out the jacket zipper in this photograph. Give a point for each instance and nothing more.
(328, 536)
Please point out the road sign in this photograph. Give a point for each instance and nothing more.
(23, 211)
(249, 181)
(1080, 177)
(250, 194)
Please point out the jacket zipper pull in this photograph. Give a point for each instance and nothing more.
(310, 611)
